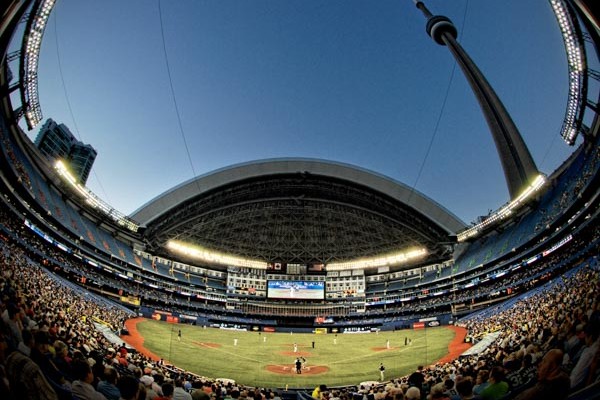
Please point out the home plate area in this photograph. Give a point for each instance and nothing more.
(290, 369)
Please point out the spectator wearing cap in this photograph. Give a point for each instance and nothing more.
(110, 354)
(147, 381)
(82, 385)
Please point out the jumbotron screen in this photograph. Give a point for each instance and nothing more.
(295, 290)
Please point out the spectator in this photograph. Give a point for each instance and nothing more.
(524, 376)
(464, 388)
(27, 343)
(580, 372)
(438, 392)
(108, 386)
(62, 360)
(318, 392)
(167, 390)
(553, 382)
(200, 394)
(128, 387)
(26, 379)
(179, 393)
(413, 393)
(147, 382)
(417, 378)
(498, 387)
(481, 381)
(40, 354)
(159, 379)
(82, 385)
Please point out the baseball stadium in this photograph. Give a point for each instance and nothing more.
(296, 277)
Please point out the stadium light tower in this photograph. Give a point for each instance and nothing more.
(518, 165)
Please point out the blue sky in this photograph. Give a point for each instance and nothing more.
(351, 81)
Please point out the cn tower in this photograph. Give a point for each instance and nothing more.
(518, 165)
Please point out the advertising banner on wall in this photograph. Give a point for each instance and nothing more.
(133, 300)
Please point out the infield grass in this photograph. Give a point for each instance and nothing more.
(353, 359)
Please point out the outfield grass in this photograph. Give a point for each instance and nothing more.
(355, 358)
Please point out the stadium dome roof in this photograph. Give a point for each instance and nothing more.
(298, 211)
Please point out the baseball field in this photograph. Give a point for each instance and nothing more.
(269, 359)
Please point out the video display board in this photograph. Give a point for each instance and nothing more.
(295, 290)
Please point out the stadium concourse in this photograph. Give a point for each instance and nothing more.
(524, 282)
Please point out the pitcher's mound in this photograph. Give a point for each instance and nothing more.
(290, 369)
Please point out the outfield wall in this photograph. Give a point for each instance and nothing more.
(373, 326)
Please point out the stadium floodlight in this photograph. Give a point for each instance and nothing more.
(576, 59)
(382, 261)
(30, 54)
(94, 201)
(212, 257)
(505, 211)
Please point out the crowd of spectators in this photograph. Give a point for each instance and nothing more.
(570, 189)
(514, 281)
(547, 348)
(51, 348)
(20, 170)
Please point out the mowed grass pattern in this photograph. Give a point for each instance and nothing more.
(354, 359)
